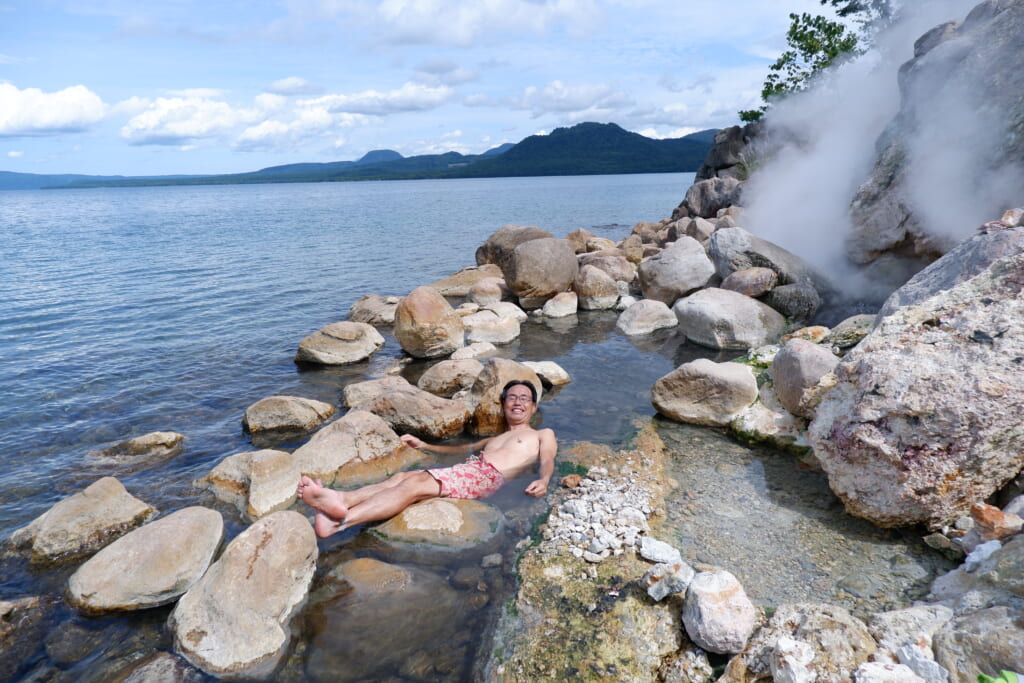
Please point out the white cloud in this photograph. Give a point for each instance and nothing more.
(205, 93)
(558, 97)
(7, 59)
(182, 120)
(34, 112)
(674, 133)
(293, 85)
(309, 123)
(15, 154)
(410, 97)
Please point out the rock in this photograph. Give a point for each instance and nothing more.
(751, 281)
(286, 413)
(540, 268)
(256, 482)
(596, 289)
(488, 418)
(731, 148)
(234, 622)
(412, 410)
(613, 262)
(704, 392)
(499, 247)
(799, 366)
(885, 672)
(445, 526)
(653, 550)
(791, 661)
(449, 377)
(982, 642)
(426, 326)
(341, 343)
(766, 421)
(461, 282)
(561, 305)
(798, 301)
(841, 643)
(721, 319)
(675, 272)
(905, 443)
(600, 244)
(632, 248)
(506, 309)
(162, 667)
(150, 566)
(919, 659)
(374, 309)
(475, 350)
(662, 580)
(83, 523)
(487, 326)
(357, 393)
(551, 373)
(717, 614)
(578, 238)
(645, 317)
(23, 624)
(917, 624)
(358, 448)
(733, 249)
(489, 290)
(155, 445)
(706, 197)
(993, 524)
(850, 331)
(646, 230)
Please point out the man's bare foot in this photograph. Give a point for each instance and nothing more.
(325, 500)
(325, 526)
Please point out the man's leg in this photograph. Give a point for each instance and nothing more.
(338, 510)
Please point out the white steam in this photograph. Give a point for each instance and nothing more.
(800, 198)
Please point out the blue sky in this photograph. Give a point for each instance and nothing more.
(206, 86)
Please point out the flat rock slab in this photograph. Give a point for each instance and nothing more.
(150, 566)
(341, 343)
(286, 413)
(234, 623)
(460, 283)
(83, 523)
(444, 525)
(152, 446)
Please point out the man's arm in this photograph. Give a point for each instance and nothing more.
(415, 442)
(548, 449)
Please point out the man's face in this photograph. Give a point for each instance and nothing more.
(518, 405)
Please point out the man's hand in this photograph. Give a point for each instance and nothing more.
(537, 488)
(412, 441)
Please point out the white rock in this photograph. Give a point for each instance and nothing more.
(885, 672)
(791, 661)
(717, 614)
(658, 551)
(550, 372)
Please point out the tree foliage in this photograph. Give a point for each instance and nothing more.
(815, 43)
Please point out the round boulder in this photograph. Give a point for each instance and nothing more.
(412, 410)
(340, 343)
(704, 392)
(717, 614)
(612, 261)
(499, 247)
(720, 319)
(676, 271)
(751, 281)
(561, 305)
(449, 377)
(150, 566)
(796, 368)
(426, 326)
(646, 316)
(488, 326)
(541, 268)
(595, 289)
(489, 290)
(798, 301)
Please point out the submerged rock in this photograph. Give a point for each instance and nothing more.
(646, 316)
(155, 445)
(443, 526)
(341, 343)
(234, 623)
(83, 522)
(150, 566)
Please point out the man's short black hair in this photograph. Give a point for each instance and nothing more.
(516, 383)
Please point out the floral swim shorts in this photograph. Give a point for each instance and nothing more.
(475, 478)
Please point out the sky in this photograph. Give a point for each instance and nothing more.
(165, 87)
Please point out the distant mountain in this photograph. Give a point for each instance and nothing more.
(583, 149)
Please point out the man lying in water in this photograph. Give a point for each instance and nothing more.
(503, 457)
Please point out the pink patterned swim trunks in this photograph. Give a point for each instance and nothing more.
(475, 478)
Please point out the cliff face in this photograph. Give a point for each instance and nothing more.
(958, 138)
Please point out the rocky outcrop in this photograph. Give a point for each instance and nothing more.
(83, 522)
(706, 197)
(234, 622)
(286, 413)
(955, 67)
(340, 343)
(540, 268)
(704, 392)
(426, 326)
(730, 153)
(678, 270)
(150, 566)
(721, 319)
(733, 249)
(907, 443)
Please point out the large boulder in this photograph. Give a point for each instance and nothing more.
(676, 271)
(413, 410)
(426, 326)
(487, 326)
(357, 393)
(358, 448)
(799, 366)
(150, 566)
(285, 413)
(340, 343)
(449, 377)
(983, 642)
(488, 417)
(705, 392)
(595, 289)
(717, 614)
(234, 622)
(646, 316)
(721, 319)
(460, 283)
(83, 523)
(611, 261)
(443, 526)
(706, 197)
(499, 247)
(919, 440)
(733, 249)
(729, 152)
(255, 482)
(374, 309)
(540, 268)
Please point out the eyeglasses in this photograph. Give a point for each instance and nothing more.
(516, 398)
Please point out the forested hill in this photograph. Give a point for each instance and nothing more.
(583, 149)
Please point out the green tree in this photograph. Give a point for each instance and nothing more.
(815, 43)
